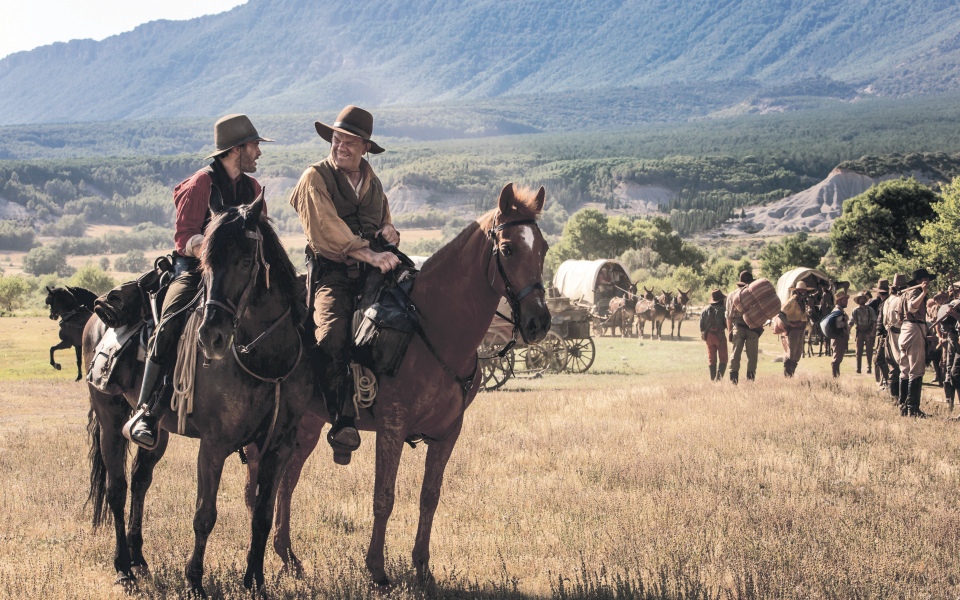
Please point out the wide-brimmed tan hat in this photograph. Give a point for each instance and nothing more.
(352, 120)
(231, 131)
(801, 287)
(841, 295)
(716, 295)
(883, 286)
(859, 299)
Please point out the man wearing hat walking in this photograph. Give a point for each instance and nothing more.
(226, 179)
(881, 371)
(793, 315)
(865, 320)
(741, 336)
(947, 321)
(713, 324)
(913, 343)
(892, 321)
(841, 325)
(345, 216)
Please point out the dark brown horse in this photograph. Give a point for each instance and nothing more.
(251, 387)
(661, 312)
(73, 306)
(645, 311)
(678, 310)
(456, 293)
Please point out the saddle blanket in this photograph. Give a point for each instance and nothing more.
(112, 345)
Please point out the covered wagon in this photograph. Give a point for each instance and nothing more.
(594, 282)
(812, 277)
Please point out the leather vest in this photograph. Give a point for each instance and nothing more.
(364, 216)
(222, 186)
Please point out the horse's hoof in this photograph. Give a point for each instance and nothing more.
(292, 569)
(56, 366)
(141, 571)
(382, 585)
(196, 591)
(127, 581)
(79, 377)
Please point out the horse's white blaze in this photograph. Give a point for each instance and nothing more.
(526, 235)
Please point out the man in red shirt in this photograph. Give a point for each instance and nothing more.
(238, 148)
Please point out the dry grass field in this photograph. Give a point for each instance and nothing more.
(639, 479)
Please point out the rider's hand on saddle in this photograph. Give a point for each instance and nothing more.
(385, 261)
(390, 234)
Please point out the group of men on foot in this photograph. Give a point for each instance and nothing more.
(900, 328)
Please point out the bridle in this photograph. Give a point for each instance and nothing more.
(513, 297)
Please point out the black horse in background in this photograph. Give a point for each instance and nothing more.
(74, 307)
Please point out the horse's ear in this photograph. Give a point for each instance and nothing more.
(216, 200)
(507, 199)
(539, 200)
(49, 289)
(255, 212)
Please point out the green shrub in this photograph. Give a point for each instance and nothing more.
(93, 278)
(45, 260)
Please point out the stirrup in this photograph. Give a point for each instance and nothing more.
(344, 442)
(132, 423)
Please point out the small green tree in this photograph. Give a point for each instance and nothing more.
(12, 291)
(45, 260)
(885, 218)
(795, 250)
(939, 246)
(133, 261)
(93, 278)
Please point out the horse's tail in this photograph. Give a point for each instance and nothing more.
(98, 472)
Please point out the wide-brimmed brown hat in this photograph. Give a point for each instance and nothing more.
(746, 278)
(859, 299)
(899, 281)
(352, 120)
(801, 287)
(231, 131)
(841, 295)
(883, 286)
(716, 295)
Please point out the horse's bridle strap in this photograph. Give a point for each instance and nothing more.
(513, 298)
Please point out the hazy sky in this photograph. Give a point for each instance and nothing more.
(26, 24)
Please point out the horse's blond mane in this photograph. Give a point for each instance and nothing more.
(524, 208)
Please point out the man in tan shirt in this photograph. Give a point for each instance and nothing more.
(342, 208)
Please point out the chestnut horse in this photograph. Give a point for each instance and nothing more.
(251, 388)
(74, 307)
(456, 295)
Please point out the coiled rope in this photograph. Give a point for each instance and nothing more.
(185, 372)
(364, 387)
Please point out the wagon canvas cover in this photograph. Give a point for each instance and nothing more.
(791, 278)
(577, 279)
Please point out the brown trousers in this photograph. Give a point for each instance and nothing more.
(839, 346)
(865, 347)
(792, 342)
(334, 303)
(744, 337)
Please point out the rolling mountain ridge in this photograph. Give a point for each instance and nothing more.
(282, 56)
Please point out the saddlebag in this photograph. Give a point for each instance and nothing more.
(134, 301)
(385, 328)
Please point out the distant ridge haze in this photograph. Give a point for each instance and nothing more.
(282, 56)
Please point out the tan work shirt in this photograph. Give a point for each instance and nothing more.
(328, 234)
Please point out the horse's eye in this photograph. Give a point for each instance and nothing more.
(506, 250)
(246, 262)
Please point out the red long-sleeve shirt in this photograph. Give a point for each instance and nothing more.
(191, 198)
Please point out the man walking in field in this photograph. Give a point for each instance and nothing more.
(741, 336)
(913, 343)
(793, 315)
(345, 215)
(947, 321)
(881, 369)
(238, 148)
(841, 338)
(892, 320)
(713, 326)
(865, 320)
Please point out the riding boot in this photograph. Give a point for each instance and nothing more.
(713, 372)
(751, 376)
(949, 392)
(343, 437)
(720, 369)
(859, 363)
(836, 370)
(894, 387)
(141, 429)
(903, 396)
(789, 367)
(734, 377)
(916, 391)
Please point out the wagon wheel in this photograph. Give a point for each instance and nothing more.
(582, 352)
(495, 370)
(549, 355)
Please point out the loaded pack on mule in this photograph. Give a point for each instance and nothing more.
(73, 306)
